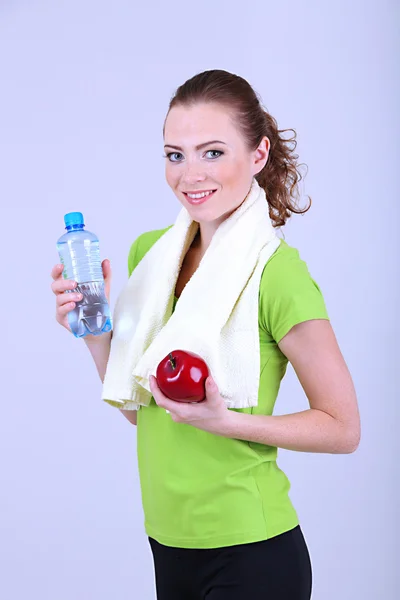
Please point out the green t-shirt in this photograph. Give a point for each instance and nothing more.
(200, 490)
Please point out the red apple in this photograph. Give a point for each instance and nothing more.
(182, 375)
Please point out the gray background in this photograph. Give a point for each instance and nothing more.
(84, 91)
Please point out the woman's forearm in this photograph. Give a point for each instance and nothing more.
(99, 348)
(307, 431)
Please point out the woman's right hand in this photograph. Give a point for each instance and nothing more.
(67, 302)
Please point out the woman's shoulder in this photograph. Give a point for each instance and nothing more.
(285, 271)
(288, 293)
(286, 261)
(145, 240)
(142, 245)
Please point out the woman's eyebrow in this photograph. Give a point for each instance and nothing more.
(199, 147)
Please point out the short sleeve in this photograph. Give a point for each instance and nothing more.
(142, 245)
(132, 257)
(288, 294)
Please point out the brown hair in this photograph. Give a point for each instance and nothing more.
(280, 175)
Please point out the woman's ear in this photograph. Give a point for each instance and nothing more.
(261, 155)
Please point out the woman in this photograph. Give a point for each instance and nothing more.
(217, 511)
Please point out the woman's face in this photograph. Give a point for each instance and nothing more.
(205, 152)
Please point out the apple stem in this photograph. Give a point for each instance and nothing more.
(172, 360)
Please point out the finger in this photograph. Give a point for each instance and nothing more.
(63, 310)
(211, 388)
(106, 266)
(155, 390)
(61, 285)
(180, 410)
(56, 271)
(159, 397)
(62, 299)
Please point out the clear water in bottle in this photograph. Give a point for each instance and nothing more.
(79, 252)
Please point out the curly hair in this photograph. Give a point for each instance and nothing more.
(281, 175)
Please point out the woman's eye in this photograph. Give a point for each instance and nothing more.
(170, 156)
(218, 152)
(177, 156)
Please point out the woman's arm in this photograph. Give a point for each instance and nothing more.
(99, 347)
(332, 423)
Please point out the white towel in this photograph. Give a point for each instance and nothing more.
(216, 315)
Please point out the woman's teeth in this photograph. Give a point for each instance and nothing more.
(202, 195)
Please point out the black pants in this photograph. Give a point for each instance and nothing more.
(274, 569)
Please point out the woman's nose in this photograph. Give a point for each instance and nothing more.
(193, 174)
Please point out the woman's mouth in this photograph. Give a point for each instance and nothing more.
(199, 197)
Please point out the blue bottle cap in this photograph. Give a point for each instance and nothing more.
(73, 218)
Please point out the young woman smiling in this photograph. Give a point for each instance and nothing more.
(217, 511)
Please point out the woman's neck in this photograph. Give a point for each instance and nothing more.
(203, 237)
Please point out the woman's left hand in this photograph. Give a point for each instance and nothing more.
(210, 415)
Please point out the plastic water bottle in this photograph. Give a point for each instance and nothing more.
(79, 252)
